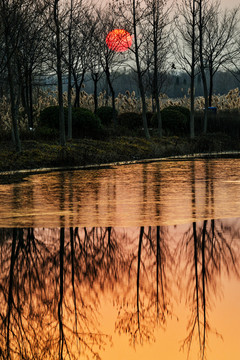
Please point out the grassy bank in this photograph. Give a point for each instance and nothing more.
(38, 154)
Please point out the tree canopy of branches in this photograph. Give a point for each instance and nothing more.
(65, 40)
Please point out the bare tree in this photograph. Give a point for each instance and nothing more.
(12, 18)
(31, 57)
(158, 23)
(54, 17)
(110, 59)
(69, 36)
(186, 51)
(203, 19)
(205, 42)
(133, 14)
(77, 48)
(135, 20)
(83, 26)
(220, 47)
(59, 71)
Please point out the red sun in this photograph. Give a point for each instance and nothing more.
(119, 40)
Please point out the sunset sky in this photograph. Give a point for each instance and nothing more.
(230, 3)
(225, 3)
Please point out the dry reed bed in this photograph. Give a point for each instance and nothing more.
(124, 103)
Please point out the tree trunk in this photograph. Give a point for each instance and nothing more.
(14, 110)
(60, 302)
(156, 87)
(159, 117)
(77, 96)
(204, 286)
(10, 290)
(62, 137)
(14, 98)
(192, 109)
(30, 119)
(138, 272)
(70, 76)
(78, 88)
(195, 239)
(26, 97)
(192, 87)
(139, 74)
(204, 80)
(112, 94)
(210, 83)
(69, 107)
(95, 95)
(155, 74)
(73, 273)
(12, 32)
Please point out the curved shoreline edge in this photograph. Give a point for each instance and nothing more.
(195, 156)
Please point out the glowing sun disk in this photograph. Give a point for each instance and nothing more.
(119, 40)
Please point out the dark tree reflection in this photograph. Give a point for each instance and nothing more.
(37, 271)
(147, 302)
(207, 249)
(54, 281)
(19, 278)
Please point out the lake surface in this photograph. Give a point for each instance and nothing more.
(125, 262)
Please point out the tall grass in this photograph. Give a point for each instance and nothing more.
(228, 106)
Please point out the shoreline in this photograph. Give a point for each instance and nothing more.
(186, 157)
(46, 156)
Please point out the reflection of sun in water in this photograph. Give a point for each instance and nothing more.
(119, 40)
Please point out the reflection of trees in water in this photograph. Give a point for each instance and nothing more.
(46, 287)
(52, 282)
(146, 300)
(208, 249)
(19, 278)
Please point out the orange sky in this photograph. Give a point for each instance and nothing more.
(225, 3)
(230, 3)
(225, 319)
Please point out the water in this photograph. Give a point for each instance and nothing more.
(163, 193)
(128, 262)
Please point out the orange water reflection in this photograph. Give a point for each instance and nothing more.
(122, 293)
(163, 193)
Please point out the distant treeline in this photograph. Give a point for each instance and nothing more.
(175, 84)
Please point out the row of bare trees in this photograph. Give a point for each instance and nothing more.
(67, 38)
(210, 38)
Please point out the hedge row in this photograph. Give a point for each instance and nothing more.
(84, 122)
(175, 121)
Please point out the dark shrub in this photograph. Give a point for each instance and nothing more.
(130, 120)
(5, 135)
(185, 111)
(173, 122)
(105, 113)
(45, 133)
(86, 124)
(153, 123)
(225, 121)
(149, 115)
(49, 117)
